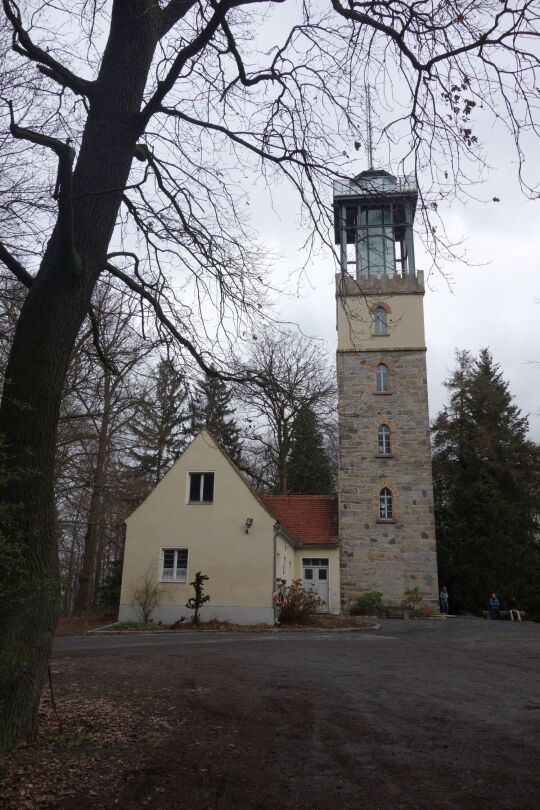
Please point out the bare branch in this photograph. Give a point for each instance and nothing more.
(49, 66)
(63, 189)
(106, 361)
(173, 13)
(141, 289)
(14, 266)
(197, 44)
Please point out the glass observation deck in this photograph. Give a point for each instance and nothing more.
(373, 221)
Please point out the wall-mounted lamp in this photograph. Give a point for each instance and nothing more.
(248, 524)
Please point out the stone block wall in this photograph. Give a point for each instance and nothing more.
(377, 555)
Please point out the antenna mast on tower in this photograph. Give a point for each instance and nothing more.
(369, 127)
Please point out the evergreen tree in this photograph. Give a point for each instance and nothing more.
(108, 595)
(160, 424)
(309, 466)
(212, 410)
(487, 486)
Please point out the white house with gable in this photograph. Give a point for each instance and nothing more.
(204, 516)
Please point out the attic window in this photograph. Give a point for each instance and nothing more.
(201, 487)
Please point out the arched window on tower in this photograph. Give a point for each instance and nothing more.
(381, 321)
(382, 380)
(386, 505)
(384, 440)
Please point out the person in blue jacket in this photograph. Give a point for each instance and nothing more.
(494, 606)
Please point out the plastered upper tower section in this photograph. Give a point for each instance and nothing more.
(358, 322)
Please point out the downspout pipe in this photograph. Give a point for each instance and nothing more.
(277, 530)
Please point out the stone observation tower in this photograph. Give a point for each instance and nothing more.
(386, 519)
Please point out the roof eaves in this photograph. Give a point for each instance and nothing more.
(279, 529)
(322, 544)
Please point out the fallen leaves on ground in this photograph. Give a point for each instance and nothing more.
(98, 741)
(80, 625)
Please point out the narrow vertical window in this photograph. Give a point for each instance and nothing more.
(386, 507)
(382, 381)
(383, 441)
(381, 321)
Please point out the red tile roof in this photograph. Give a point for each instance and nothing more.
(308, 519)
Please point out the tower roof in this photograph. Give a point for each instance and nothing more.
(374, 183)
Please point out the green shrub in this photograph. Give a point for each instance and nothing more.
(370, 602)
(411, 598)
(196, 602)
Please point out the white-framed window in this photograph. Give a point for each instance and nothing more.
(381, 321)
(384, 443)
(382, 379)
(174, 564)
(386, 505)
(201, 487)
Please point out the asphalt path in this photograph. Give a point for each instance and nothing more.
(109, 643)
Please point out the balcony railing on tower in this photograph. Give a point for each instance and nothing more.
(373, 220)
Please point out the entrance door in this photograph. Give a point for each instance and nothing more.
(315, 578)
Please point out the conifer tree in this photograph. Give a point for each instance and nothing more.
(309, 466)
(212, 410)
(487, 487)
(161, 424)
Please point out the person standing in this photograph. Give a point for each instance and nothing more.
(515, 615)
(494, 606)
(443, 599)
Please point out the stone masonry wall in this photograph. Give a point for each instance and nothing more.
(376, 555)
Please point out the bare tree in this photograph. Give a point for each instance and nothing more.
(147, 596)
(291, 373)
(191, 90)
(120, 352)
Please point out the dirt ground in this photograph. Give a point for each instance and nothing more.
(79, 625)
(418, 715)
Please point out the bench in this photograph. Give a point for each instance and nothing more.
(394, 612)
(504, 615)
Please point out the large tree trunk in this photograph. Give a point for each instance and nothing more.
(51, 317)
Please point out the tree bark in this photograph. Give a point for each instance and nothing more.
(51, 317)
